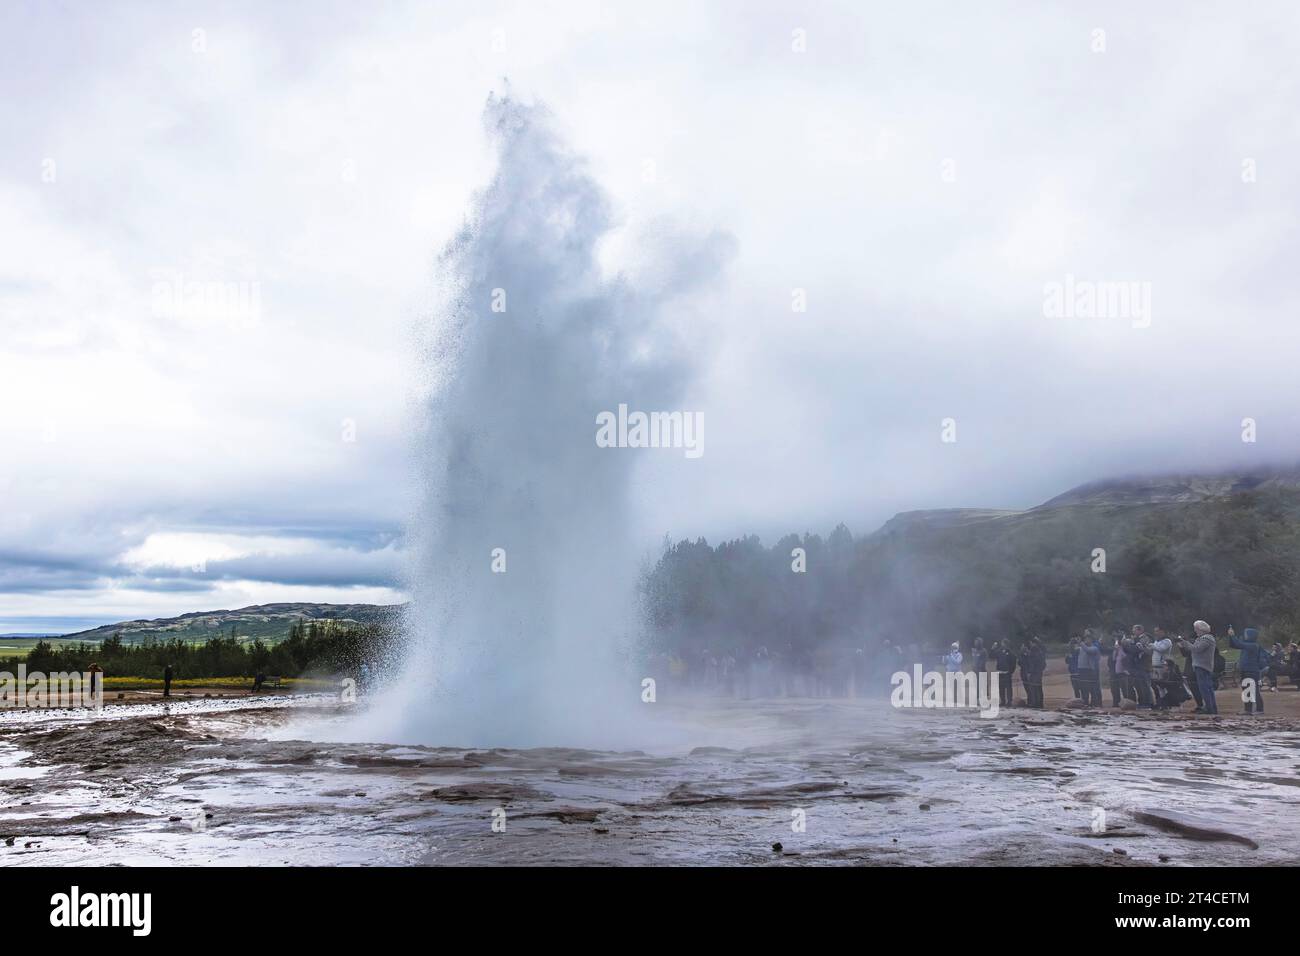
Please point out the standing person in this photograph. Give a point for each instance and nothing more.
(1137, 658)
(1004, 659)
(1189, 673)
(1161, 649)
(1025, 663)
(1203, 650)
(96, 673)
(1275, 664)
(1033, 660)
(1072, 663)
(1090, 669)
(167, 680)
(1121, 668)
(979, 657)
(1108, 649)
(1250, 667)
(1040, 668)
(952, 663)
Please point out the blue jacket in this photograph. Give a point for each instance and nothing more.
(1253, 658)
(1089, 657)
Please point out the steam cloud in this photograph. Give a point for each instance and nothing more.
(508, 457)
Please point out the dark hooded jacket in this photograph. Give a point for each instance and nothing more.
(1033, 661)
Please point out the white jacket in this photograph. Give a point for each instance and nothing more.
(1160, 651)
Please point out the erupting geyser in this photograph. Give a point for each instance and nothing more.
(523, 572)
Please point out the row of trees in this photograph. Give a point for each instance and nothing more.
(925, 580)
(932, 579)
(310, 647)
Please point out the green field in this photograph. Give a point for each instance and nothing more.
(22, 646)
(112, 684)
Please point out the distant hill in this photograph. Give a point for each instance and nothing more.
(1223, 547)
(270, 622)
(942, 518)
(1166, 489)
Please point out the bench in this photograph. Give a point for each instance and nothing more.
(266, 682)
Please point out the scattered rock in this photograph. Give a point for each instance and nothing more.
(1118, 852)
(602, 830)
(173, 819)
(1164, 858)
(777, 848)
(566, 815)
(1127, 704)
(925, 806)
(499, 792)
(1191, 827)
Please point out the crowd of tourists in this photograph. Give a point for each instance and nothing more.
(1156, 670)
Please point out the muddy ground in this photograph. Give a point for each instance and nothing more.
(830, 781)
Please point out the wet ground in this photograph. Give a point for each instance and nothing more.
(212, 782)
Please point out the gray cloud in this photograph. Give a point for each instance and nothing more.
(326, 155)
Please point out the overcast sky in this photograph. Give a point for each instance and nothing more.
(922, 174)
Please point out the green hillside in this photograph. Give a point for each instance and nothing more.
(1222, 548)
(266, 622)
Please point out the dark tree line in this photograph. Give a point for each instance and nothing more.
(310, 647)
(932, 579)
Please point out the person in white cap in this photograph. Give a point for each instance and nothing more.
(952, 661)
(1202, 650)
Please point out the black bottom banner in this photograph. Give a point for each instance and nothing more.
(183, 906)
